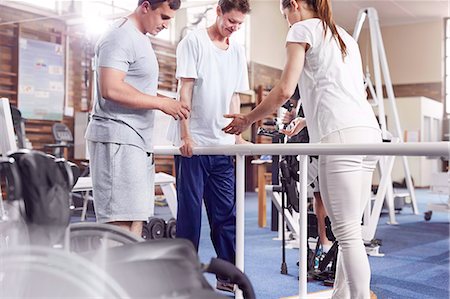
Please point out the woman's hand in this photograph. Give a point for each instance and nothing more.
(239, 124)
(294, 127)
(289, 116)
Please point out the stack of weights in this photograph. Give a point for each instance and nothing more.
(157, 228)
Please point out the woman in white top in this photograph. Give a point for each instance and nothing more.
(328, 62)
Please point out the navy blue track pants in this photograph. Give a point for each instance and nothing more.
(211, 178)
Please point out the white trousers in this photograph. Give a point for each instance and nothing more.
(345, 186)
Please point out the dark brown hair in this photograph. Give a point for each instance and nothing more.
(240, 5)
(154, 4)
(323, 9)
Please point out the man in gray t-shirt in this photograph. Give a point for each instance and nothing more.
(121, 128)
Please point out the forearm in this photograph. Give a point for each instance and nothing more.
(186, 89)
(235, 108)
(184, 129)
(273, 101)
(126, 95)
(235, 105)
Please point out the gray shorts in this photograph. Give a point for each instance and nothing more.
(123, 182)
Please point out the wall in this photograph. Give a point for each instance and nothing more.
(411, 113)
(415, 57)
(268, 33)
(37, 131)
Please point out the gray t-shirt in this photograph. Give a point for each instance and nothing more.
(127, 49)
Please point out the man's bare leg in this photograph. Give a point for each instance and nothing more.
(136, 227)
(133, 226)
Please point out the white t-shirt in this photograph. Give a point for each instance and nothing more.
(331, 89)
(218, 75)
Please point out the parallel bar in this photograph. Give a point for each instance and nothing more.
(428, 149)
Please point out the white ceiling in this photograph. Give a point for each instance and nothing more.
(391, 12)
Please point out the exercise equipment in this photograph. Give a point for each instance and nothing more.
(280, 175)
(171, 228)
(63, 139)
(155, 228)
(386, 163)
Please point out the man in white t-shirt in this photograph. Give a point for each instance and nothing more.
(211, 70)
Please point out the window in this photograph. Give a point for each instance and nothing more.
(447, 66)
(109, 8)
(99, 14)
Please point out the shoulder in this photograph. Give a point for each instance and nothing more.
(307, 25)
(193, 37)
(305, 31)
(118, 35)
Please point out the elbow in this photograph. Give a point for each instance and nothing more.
(285, 93)
(106, 92)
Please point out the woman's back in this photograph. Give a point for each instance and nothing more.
(331, 86)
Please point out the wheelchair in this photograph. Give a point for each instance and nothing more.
(88, 260)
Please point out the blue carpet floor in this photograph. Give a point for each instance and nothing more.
(416, 262)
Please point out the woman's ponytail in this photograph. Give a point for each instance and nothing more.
(323, 10)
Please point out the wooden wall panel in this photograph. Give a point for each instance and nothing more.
(433, 90)
(165, 51)
(430, 90)
(8, 67)
(263, 75)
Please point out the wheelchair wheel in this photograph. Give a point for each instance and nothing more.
(92, 236)
(38, 272)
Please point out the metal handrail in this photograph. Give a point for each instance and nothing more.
(437, 149)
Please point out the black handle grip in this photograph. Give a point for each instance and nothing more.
(226, 269)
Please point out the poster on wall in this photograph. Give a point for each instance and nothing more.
(41, 80)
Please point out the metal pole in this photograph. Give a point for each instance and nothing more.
(359, 24)
(240, 213)
(303, 233)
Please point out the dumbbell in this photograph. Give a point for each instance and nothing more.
(154, 229)
(171, 228)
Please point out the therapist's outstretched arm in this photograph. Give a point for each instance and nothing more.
(278, 95)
